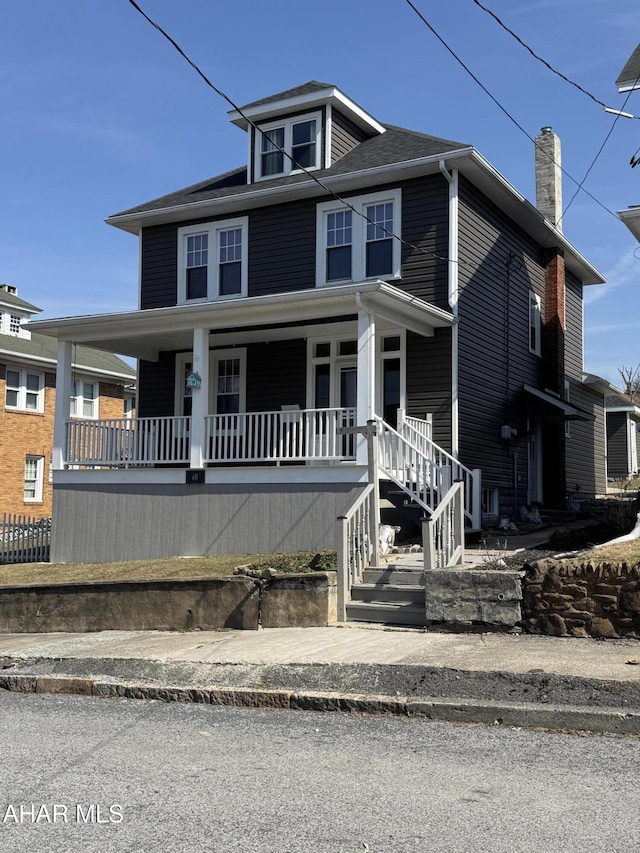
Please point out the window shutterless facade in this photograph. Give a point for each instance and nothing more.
(359, 244)
(84, 399)
(299, 137)
(24, 390)
(33, 478)
(212, 260)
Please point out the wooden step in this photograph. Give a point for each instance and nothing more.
(387, 594)
(386, 614)
(393, 575)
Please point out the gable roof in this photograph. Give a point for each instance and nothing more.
(629, 77)
(43, 348)
(12, 301)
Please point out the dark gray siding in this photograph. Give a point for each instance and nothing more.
(573, 328)
(617, 454)
(429, 382)
(276, 375)
(156, 387)
(586, 446)
(499, 266)
(158, 282)
(345, 135)
(167, 520)
(282, 248)
(425, 224)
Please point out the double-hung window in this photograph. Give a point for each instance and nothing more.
(33, 478)
(24, 390)
(212, 260)
(84, 399)
(535, 323)
(288, 145)
(359, 241)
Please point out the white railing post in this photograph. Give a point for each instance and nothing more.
(428, 545)
(476, 499)
(344, 570)
(374, 520)
(459, 522)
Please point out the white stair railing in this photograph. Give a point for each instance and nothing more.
(443, 531)
(357, 540)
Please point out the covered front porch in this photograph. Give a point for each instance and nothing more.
(269, 380)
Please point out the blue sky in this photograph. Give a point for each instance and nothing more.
(99, 113)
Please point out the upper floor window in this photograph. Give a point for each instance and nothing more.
(24, 390)
(84, 399)
(535, 323)
(298, 137)
(359, 243)
(15, 322)
(212, 260)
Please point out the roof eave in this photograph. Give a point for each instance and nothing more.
(631, 218)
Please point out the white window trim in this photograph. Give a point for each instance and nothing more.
(183, 358)
(358, 233)
(567, 398)
(79, 382)
(535, 321)
(22, 390)
(287, 124)
(39, 480)
(212, 229)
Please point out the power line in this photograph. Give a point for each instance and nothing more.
(544, 61)
(503, 109)
(282, 150)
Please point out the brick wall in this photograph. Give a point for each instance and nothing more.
(25, 434)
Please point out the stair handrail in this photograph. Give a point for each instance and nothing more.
(471, 478)
(357, 544)
(443, 531)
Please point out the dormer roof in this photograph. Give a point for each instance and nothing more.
(307, 96)
(629, 77)
(10, 300)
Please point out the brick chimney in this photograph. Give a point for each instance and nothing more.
(549, 202)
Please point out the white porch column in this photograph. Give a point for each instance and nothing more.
(199, 397)
(63, 405)
(366, 395)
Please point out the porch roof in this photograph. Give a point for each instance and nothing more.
(145, 333)
(562, 410)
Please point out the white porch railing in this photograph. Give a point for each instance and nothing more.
(125, 442)
(291, 436)
(443, 531)
(357, 538)
(418, 434)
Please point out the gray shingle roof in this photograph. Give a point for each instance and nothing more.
(394, 146)
(304, 89)
(12, 301)
(44, 346)
(630, 74)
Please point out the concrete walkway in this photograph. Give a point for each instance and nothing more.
(513, 679)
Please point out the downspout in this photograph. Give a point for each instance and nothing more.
(452, 296)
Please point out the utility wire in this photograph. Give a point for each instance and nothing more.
(544, 61)
(501, 108)
(297, 165)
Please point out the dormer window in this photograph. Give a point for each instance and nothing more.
(15, 322)
(299, 137)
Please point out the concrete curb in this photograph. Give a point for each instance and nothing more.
(526, 715)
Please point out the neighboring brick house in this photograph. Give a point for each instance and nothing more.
(102, 383)
(381, 275)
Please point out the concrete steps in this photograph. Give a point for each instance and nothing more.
(387, 614)
(393, 595)
(405, 593)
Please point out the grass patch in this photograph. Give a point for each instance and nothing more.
(624, 552)
(174, 567)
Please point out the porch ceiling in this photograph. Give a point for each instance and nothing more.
(144, 334)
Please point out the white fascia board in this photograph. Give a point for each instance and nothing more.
(631, 218)
(633, 410)
(273, 109)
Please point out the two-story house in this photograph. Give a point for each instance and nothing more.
(350, 271)
(101, 386)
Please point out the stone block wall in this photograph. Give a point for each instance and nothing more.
(582, 599)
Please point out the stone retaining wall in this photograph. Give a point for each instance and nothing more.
(582, 599)
(285, 601)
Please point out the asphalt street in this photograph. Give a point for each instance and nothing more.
(173, 777)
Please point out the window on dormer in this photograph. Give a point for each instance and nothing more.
(14, 324)
(298, 137)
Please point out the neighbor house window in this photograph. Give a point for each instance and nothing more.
(360, 241)
(212, 260)
(14, 324)
(84, 399)
(535, 323)
(288, 145)
(33, 477)
(24, 390)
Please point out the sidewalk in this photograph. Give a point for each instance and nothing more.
(507, 679)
